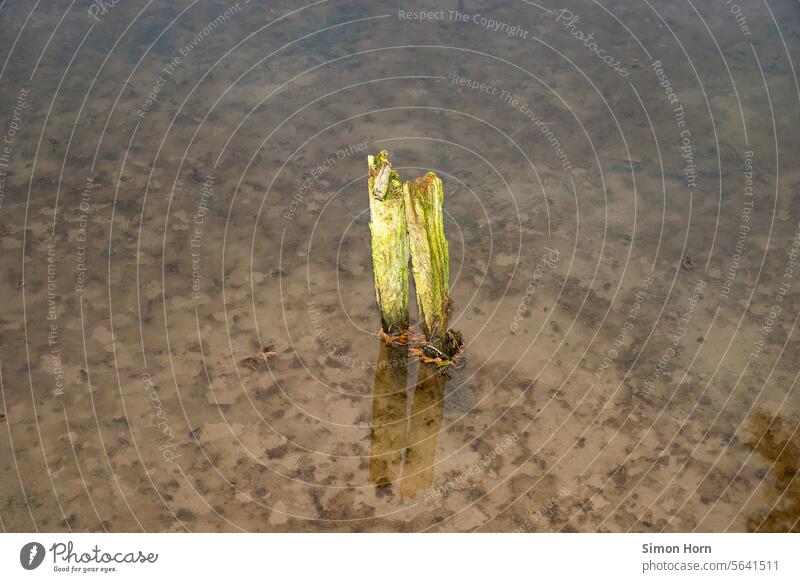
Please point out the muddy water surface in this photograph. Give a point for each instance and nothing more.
(184, 184)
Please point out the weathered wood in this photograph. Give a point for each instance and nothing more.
(389, 244)
(430, 255)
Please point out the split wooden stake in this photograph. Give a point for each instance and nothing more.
(430, 256)
(389, 242)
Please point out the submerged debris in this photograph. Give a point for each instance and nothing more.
(443, 353)
(395, 340)
(263, 355)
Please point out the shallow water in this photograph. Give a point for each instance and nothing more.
(184, 184)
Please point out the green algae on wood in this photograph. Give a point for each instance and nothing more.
(430, 256)
(387, 226)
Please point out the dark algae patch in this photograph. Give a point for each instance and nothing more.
(778, 442)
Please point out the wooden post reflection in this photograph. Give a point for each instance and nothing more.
(389, 414)
(403, 445)
(426, 420)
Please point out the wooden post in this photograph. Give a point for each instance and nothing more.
(430, 256)
(389, 241)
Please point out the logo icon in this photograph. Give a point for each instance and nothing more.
(31, 555)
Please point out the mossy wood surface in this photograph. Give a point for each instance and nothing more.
(430, 256)
(389, 243)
